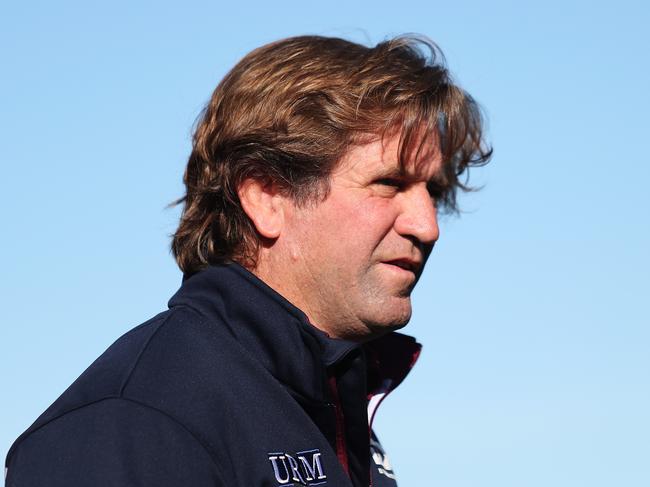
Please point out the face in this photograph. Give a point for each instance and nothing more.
(356, 256)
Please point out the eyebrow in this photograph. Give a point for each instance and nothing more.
(437, 178)
(392, 172)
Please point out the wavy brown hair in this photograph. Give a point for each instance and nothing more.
(289, 111)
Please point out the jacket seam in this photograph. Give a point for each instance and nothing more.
(147, 406)
(207, 450)
(126, 380)
(29, 431)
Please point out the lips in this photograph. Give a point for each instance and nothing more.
(406, 264)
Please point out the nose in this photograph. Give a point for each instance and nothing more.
(418, 216)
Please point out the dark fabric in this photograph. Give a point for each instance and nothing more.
(112, 442)
(351, 382)
(230, 386)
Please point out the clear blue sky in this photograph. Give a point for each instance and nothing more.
(534, 308)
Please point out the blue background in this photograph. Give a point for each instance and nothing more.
(534, 307)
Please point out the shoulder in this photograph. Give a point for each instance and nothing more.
(137, 356)
(109, 442)
(117, 410)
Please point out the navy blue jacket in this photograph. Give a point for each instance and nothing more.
(230, 387)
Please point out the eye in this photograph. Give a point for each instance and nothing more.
(391, 182)
(436, 191)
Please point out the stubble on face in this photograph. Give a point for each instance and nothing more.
(353, 263)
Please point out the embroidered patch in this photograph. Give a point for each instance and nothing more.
(303, 468)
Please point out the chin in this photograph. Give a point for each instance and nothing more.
(395, 317)
(377, 330)
(371, 329)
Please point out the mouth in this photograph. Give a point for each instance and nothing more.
(405, 264)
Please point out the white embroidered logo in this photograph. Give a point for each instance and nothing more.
(304, 468)
(383, 464)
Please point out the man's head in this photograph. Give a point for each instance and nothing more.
(320, 164)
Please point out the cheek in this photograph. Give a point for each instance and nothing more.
(373, 219)
(354, 223)
(369, 212)
(363, 234)
(346, 230)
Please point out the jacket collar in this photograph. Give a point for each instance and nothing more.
(280, 336)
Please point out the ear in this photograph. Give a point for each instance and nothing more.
(263, 204)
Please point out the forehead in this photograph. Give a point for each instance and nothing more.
(378, 155)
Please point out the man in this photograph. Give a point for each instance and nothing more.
(313, 186)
